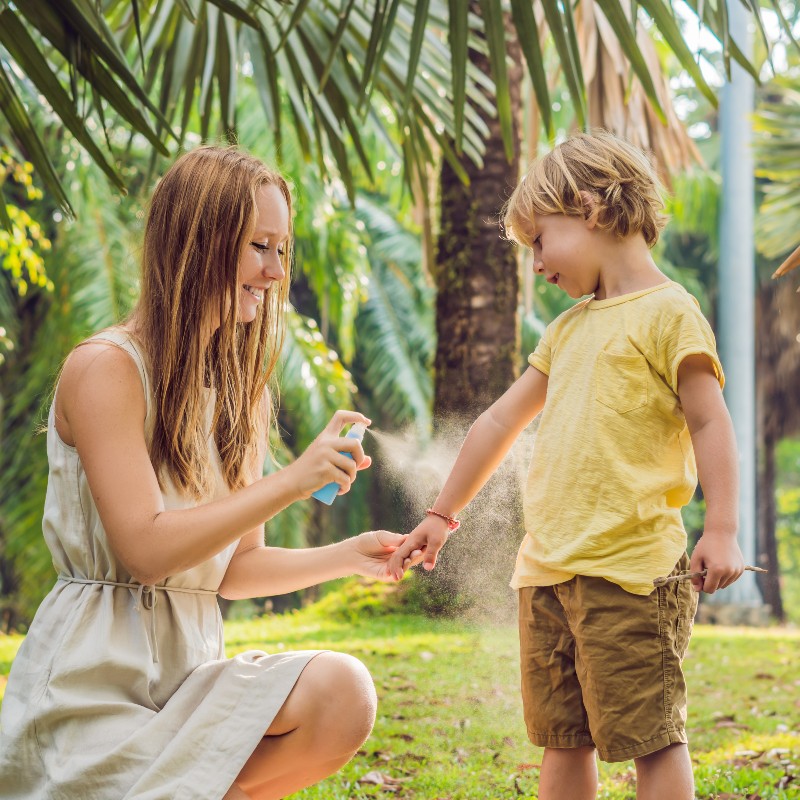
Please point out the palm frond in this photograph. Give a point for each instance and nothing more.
(619, 101)
(777, 152)
(395, 324)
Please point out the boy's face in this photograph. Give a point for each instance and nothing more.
(564, 253)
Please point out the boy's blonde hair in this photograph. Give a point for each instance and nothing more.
(620, 178)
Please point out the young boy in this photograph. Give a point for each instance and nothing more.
(629, 385)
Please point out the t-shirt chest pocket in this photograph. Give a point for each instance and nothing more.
(621, 381)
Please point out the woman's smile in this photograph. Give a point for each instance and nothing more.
(255, 291)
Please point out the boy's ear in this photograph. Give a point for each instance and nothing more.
(591, 208)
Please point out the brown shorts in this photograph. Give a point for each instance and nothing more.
(602, 667)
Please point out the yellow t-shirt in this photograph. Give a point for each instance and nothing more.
(613, 461)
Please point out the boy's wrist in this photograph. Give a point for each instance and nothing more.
(727, 529)
(451, 522)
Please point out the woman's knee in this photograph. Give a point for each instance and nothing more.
(345, 699)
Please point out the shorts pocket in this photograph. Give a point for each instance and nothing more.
(621, 381)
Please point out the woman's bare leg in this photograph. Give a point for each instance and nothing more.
(326, 718)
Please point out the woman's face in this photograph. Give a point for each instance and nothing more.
(260, 265)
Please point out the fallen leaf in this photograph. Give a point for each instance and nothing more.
(381, 779)
(736, 726)
(748, 753)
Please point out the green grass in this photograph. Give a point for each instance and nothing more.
(450, 725)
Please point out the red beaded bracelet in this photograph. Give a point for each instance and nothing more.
(452, 523)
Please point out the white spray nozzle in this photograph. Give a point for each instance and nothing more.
(357, 431)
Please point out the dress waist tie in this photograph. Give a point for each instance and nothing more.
(146, 598)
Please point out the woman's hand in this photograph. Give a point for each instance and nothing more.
(323, 461)
(371, 552)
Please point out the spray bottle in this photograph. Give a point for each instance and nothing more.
(327, 494)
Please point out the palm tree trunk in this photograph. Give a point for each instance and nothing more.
(767, 543)
(476, 359)
(476, 269)
(777, 386)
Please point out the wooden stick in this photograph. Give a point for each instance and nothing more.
(685, 576)
(791, 263)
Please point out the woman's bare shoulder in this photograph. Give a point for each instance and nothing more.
(98, 377)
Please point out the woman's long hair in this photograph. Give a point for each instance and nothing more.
(201, 218)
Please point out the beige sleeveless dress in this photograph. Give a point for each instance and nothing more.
(122, 691)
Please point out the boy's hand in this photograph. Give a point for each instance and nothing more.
(719, 553)
(423, 543)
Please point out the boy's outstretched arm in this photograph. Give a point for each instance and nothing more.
(717, 468)
(485, 446)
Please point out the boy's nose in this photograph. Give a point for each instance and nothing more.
(538, 266)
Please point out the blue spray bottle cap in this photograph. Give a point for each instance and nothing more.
(327, 494)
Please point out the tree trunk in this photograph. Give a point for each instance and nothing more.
(767, 543)
(777, 387)
(476, 269)
(477, 355)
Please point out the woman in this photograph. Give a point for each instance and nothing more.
(156, 503)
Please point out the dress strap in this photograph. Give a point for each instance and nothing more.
(146, 599)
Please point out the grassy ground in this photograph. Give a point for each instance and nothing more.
(450, 726)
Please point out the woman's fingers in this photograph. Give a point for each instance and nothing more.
(352, 446)
(342, 418)
(389, 538)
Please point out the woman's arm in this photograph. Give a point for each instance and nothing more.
(258, 571)
(101, 405)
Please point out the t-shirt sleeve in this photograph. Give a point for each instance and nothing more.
(687, 333)
(540, 357)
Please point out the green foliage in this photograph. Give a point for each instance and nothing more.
(94, 279)
(91, 282)
(352, 599)
(161, 67)
(395, 323)
(778, 155)
(427, 596)
(173, 66)
(22, 245)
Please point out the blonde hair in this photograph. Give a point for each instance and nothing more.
(620, 178)
(202, 216)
